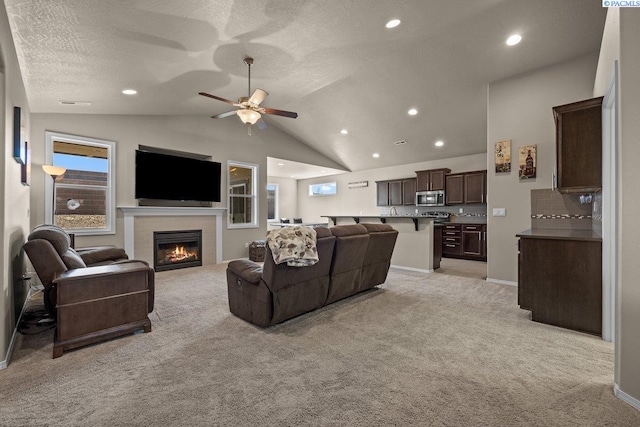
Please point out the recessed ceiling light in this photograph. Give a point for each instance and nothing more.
(439, 144)
(393, 23)
(129, 91)
(344, 131)
(322, 171)
(514, 40)
(412, 112)
(376, 155)
(280, 164)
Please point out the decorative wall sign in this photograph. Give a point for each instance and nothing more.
(503, 156)
(18, 148)
(358, 184)
(527, 162)
(25, 168)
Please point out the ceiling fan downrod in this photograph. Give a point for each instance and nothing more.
(249, 61)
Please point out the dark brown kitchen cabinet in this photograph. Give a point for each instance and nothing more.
(383, 193)
(466, 188)
(396, 192)
(409, 191)
(451, 243)
(474, 241)
(475, 184)
(579, 146)
(560, 282)
(454, 192)
(431, 180)
(467, 241)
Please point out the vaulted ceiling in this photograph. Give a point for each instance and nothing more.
(331, 61)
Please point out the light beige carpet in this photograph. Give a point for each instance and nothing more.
(425, 350)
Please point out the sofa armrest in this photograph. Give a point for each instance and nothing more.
(103, 282)
(248, 271)
(101, 254)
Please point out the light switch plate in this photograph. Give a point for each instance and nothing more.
(499, 212)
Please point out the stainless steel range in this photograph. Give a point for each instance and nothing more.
(437, 216)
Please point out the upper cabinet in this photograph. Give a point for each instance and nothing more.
(466, 188)
(579, 146)
(396, 192)
(431, 180)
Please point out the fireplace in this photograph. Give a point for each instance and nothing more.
(177, 249)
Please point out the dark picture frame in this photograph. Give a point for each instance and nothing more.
(18, 153)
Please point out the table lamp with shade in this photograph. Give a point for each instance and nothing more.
(54, 172)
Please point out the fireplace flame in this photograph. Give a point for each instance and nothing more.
(181, 254)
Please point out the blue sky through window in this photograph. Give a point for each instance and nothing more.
(80, 162)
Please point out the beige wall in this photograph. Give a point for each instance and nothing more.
(629, 226)
(362, 201)
(287, 196)
(609, 51)
(14, 208)
(520, 109)
(222, 139)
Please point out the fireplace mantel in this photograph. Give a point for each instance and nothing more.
(131, 212)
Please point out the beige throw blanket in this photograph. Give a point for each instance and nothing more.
(294, 245)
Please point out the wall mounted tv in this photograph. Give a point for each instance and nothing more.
(169, 177)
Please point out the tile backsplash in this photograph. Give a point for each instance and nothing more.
(552, 209)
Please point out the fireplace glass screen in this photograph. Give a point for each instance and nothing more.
(177, 249)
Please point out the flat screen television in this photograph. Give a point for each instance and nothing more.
(168, 177)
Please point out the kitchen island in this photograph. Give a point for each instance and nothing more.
(414, 248)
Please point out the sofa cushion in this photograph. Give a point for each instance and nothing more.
(72, 260)
(102, 254)
(55, 235)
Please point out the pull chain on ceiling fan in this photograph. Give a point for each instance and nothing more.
(250, 111)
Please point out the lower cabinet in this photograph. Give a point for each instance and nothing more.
(467, 241)
(560, 282)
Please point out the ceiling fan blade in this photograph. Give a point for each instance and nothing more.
(216, 97)
(258, 96)
(280, 113)
(261, 124)
(223, 115)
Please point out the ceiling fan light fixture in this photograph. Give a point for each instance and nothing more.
(248, 117)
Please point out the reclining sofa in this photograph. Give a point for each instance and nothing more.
(352, 259)
(94, 293)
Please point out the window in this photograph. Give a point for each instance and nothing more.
(243, 200)
(272, 202)
(325, 189)
(85, 193)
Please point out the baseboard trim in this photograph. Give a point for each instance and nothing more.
(502, 282)
(419, 270)
(626, 397)
(5, 362)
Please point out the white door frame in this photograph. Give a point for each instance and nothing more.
(610, 208)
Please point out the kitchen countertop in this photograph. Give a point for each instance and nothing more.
(382, 218)
(560, 234)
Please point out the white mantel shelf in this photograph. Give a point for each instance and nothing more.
(130, 212)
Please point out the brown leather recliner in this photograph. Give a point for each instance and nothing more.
(105, 297)
(270, 294)
(377, 259)
(348, 256)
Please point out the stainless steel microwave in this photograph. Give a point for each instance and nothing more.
(430, 198)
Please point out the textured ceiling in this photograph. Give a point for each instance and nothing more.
(331, 61)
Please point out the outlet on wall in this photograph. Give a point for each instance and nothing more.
(246, 244)
(461, 210)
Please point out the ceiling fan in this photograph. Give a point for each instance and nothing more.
(250, 111)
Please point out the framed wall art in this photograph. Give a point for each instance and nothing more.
(503, 156)
(18, 148)
(527, 162)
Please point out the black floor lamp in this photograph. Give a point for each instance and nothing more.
(54, 172)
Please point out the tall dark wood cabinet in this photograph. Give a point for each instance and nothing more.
(560, 279)
(396, 192)
(579, 146)
(466, 188)
(409, 191)
(431, 180)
